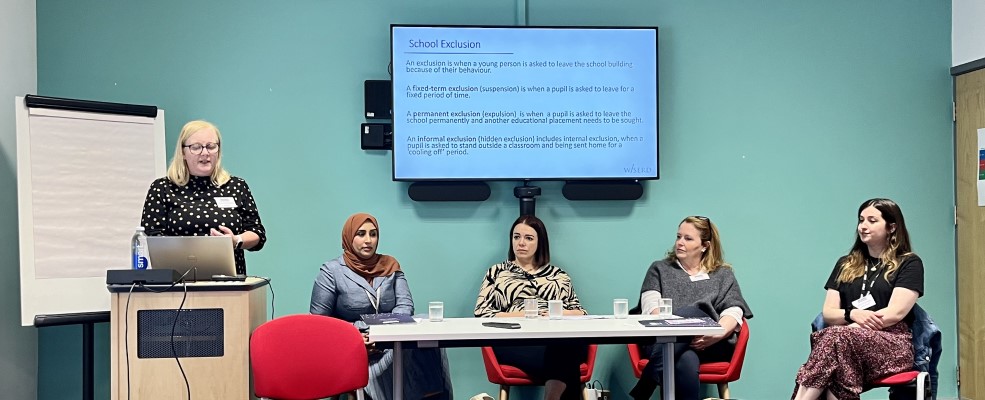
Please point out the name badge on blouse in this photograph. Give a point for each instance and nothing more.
(225, 202)
(864, 302)
(699, 277)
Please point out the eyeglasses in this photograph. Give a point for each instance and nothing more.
(701, 217)
(197, 148)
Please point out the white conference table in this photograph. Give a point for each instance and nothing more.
(469, 332)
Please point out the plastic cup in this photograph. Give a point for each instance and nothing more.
(555, 309)
(436, 311)
(530, 308)
(666, 307)
(620, 308)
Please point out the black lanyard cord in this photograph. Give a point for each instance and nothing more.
(876, 269)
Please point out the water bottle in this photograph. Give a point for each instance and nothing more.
(138, 250)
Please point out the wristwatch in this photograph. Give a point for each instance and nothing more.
(848, 313)
(239, 242)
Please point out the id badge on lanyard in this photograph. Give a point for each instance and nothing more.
(374, 302)
(865, 300)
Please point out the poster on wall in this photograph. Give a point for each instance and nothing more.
(981, 167)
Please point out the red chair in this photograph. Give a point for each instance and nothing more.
(305, 356)
(903, 381)
(506, 375)
(720, 373)
(910, 379)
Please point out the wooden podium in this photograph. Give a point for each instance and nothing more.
(211, 339)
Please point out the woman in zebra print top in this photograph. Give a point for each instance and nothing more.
(528, 274)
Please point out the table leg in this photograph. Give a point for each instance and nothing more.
(398, 372)
(668, 363)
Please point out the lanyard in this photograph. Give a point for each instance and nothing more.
(865, 279)
(375, 302)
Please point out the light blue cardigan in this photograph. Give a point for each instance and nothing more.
(341, 293)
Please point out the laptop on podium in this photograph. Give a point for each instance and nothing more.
(201, 256)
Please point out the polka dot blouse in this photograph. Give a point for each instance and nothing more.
(192, 210)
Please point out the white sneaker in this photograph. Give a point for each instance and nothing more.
(482, 396)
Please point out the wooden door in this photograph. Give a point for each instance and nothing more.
(969, 118)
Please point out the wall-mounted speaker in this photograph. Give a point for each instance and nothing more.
(379, 99)
(448, 191)
(376, 136)
(602, 190)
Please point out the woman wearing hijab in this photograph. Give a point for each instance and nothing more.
(362, 281)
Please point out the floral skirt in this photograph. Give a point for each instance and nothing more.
(844, 359)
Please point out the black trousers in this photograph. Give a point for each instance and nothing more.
(555, 362)
(686, 360)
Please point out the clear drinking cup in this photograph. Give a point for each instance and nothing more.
(620, 308)
(436, 311)
(666, 307)
(530, 308)
(555, 309)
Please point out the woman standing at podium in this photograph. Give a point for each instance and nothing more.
(199, 198)
(528, 273)
(362, 281)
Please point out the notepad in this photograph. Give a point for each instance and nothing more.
(687, 322)
(387, 318)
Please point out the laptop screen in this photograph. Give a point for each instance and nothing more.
(200, 256)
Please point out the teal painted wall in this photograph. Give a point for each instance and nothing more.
(18, 75)
(777, 119)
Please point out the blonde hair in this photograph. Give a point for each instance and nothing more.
(897, 244)
(178, 170)
(712, 259)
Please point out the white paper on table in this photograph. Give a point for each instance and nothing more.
(603, 316)
(665, 316)
(683, 321)
(580, 317)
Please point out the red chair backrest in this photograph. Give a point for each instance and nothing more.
(307, 357)
(494, 372)
(590, 363)
(739, 355)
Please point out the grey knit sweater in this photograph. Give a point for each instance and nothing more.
(713, 295)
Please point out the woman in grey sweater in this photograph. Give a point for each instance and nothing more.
(695, 275)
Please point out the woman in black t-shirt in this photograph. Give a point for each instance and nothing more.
(869, 296)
